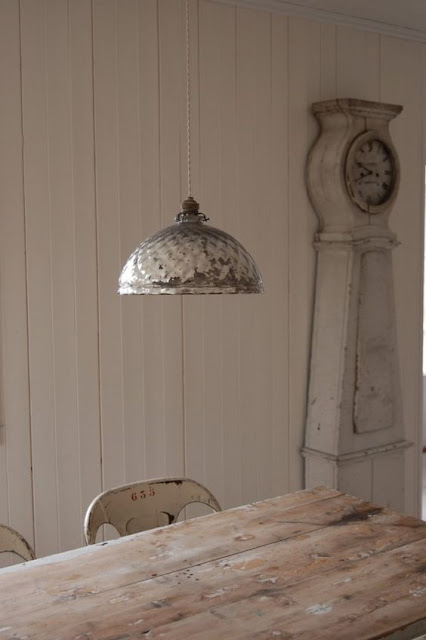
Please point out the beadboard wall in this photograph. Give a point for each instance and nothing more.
(98, 390)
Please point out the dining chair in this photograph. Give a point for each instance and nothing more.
(144, 505)
(11, 541)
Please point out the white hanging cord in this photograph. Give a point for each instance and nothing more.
(188, 100)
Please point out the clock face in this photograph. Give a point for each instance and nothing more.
(370, 173)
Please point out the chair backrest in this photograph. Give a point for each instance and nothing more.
(144, 505)
(11, 541)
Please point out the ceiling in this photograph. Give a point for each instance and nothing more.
(410, 14)
(404, 18)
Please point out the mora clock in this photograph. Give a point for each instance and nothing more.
(354, 434)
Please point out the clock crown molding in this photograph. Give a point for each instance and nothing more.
(357, 108)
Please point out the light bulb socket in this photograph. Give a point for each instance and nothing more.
(189, 212)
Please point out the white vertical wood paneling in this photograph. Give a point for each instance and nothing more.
(15, 442)
(119, 389)
(108, 226)
(227, 398)
(211, 354)
(153, 452)
(85, 250)
(39, 275)
(303, 89)
(226, 194)
(253, 95)
(171, 92)
(62, 446)
(328, 61)
(61, 230)
(129, 170)
(358, 64)
(201, 320)
(276, 264)
(405, 61)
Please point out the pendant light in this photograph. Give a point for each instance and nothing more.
(190, 257)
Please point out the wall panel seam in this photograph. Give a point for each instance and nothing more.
(101, 479)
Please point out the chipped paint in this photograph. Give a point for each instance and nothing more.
(140, 506)
(119, 599)
(218, 593)
(343, 581)
(289, 585)
(247, 565)
(319, 609)
(267, 580)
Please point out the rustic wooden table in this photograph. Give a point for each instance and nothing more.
(314, 564)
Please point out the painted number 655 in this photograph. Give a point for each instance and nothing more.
(142, 494)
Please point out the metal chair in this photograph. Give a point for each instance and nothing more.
(144, 505)
(11, 541)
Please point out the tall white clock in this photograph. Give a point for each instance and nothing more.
(354, 432)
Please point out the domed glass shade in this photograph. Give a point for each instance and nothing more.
(190, 257)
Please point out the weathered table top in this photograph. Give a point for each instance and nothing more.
(310, 565)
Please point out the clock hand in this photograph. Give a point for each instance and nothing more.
(368, 172)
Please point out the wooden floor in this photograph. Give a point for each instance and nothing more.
(424, 488)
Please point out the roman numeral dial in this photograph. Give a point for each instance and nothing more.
(370, 172)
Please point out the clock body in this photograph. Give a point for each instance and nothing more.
(352, 168)
(371, 172)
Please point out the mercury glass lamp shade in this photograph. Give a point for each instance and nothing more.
(190, 257)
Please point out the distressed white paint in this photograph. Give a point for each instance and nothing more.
(355, 418)
(11, 541)
(140, 506)
(98, 391)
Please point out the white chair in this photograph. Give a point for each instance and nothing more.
(11, 541)
(144, 505)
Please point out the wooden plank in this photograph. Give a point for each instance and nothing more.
(260, 63)
(304, 89)
(388, 471)
(246, 69)
(130, 196)
(16, 506)
(357, 479)
(328, 61)
(108, 227)
(226, 73)
(152, 452)
(337, 601)
(211, 323)
(405, 61)
(280, 519)
(39, 269)
(171, 92)
(88, 561)
(61, 223)
(276, 462)
(358, 64)
(85, 248)
(323, 581)
(200, 382)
